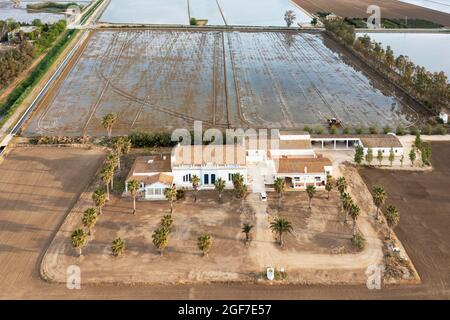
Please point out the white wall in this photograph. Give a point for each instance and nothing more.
(179, 173)
(386, 151)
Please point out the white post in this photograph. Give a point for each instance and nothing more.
(322, 144)
(334, 144)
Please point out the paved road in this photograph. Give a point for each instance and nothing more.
(30, 216)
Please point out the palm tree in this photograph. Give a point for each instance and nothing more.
(108, 122)
(392, 218)
(220, 186)
(341, 184)
(113, 160)
(195, 184)
(242, 194)
(167, 221)
(99, 198)
(329, 185)
(106, 176)
(246, 228)
(133, 188)
(79, 239)
(171, 195)
(311, 191)
(279, 185)
(379, 197)
(89, 219)
(354, 212)
(238, 180)
(204, 243)
(118, 247)
(121, 145)
(160, 239)
(279, 226)
(347, 201)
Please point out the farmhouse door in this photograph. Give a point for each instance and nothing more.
(213, 179)
(206, 179)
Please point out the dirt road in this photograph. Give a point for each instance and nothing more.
(389, 9)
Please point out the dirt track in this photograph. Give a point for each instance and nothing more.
(423, 200)
(389, 9)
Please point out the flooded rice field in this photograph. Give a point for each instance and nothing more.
(217, 12)
(156, 80)
(431, 50)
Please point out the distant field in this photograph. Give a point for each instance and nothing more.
(159, 80)
(389, 9)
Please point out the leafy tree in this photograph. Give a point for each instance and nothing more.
(341, 184)
(280, 226)
(359, 241)
(160, 239)
(133, 188)
(314, 21)
(167, 221)
(220, 186)
(329, 186)
(412, 156)
(311, 191)
(379, 197)
(195, 185)
(359, 155)
(99, 198)
(391, 156)
(204, 244)
(392, 218)
(289, 17)
(246, 229)
(171, 195)
(89, 219)
(108, 122)
(369, 156)
(280, 186)
(78, 239)
(118, 247)
(380, 157)
(418, 142)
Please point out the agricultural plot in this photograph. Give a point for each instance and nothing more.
(162, 80)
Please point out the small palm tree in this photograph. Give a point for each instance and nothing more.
(167, 222)
(280, 226)
(99, 198)
(379, 197)
(171, 195)
(280, 186)
(311, 191)
(79, 238)
(106, 176)
(118, 247)
(242, 194)
(220, 186)
(89, 219)
(238, 180)
(246, 228)
(195, 185)
(354, 212)
(133, 188)
(160, 239)
(341, 185)
(347, 201)
(113, 160)
(108, 122)
(392, 218)
(204, 243)
(329, 185)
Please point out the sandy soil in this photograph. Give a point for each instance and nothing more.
(423, 200)
(237, 79)
(389, 9)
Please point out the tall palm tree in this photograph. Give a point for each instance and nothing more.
(195, 185)
(329, 185)
(106, 176)
(379, 197)
(311, 191)
(246, 228)
(347, 202)
(160, 239)
(341, 185)
(89, 219)
(108, 122)
(280, 186)
(392, 218)
(242, 193)
(113, 161)
(204, 243)
(99, 198)
(133, 188)
(354, 212)
(121, 145)
(220, 186)
(171, 195)
(280, 226)
(118, 247)
(79, 238)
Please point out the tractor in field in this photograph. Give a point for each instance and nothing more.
(334, 122)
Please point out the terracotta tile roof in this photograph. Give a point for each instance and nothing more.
(298, 165)
(215, 155)
(268, 144)
(149, 180)
(387, 141)
(149, 164)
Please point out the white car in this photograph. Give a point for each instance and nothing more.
(263, 196)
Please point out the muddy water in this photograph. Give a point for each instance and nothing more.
(217, 12)
(7, 11)
(159, 80)
(431, 50)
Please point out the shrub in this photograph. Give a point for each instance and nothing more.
(373, 129)
(151, 140)
(359, 242)
(387, 129)
(440, 129)
(193, 22)
(346, 130)
(359, 130)
(428, 130)
(319, 130)
(332, 130)
(400, 130)
(308, 129)
(414, 131)
(180, 194)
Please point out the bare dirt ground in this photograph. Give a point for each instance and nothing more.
(162, 80)
(389, 9)
(423, 200)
